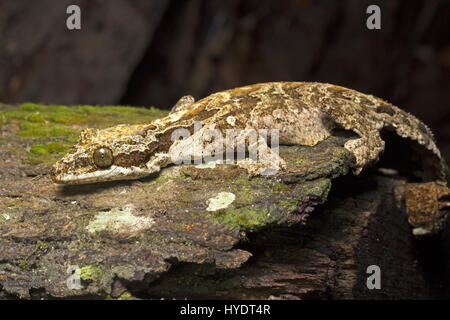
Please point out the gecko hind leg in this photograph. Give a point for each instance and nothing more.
(366, 150)
(268, 163)
(158, 161)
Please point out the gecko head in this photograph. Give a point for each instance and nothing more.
(117, 153)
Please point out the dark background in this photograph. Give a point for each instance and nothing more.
(151, 52)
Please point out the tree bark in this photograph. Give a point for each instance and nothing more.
(309, 232)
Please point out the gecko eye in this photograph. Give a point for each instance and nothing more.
(103, 157)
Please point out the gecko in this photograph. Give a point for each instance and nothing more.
(303, 113)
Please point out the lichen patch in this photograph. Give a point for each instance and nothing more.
(119, 220)
(221, 201)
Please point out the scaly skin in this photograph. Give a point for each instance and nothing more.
(305, 113)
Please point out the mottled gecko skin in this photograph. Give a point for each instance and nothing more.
(305, 114)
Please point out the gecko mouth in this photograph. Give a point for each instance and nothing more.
(110, 174)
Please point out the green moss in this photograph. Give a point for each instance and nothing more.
(50, 121)
(244, 181)
(83, 114)
(90, 273)
(243, 189)
(32, 130)
(60, 126)
(280, 187)
(160, 180)
(289, 204)
(246, 218)
(52, 147)
(39, 246)
(319, 188)
(42, 152)
(245, 194)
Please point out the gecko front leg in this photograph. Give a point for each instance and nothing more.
(269, 163)
(247, 148)
(158, 161)
(262, 159)
(366, 149)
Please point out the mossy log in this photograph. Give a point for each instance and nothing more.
(201, 231)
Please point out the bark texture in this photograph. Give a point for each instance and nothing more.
(307, 233)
